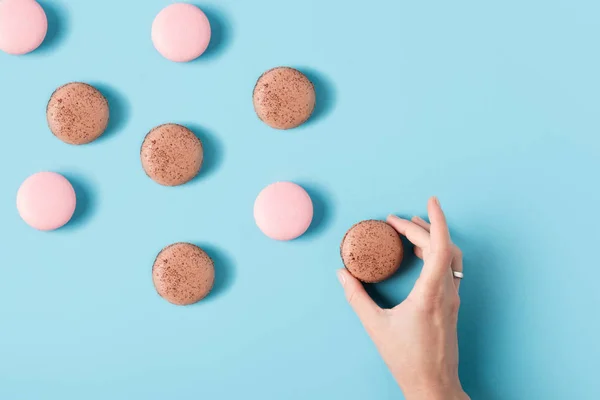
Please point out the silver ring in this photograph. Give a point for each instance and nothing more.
(458, 274)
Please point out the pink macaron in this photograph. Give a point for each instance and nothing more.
(283, 211)
(23, 26)
(181, 32)
(46, 201)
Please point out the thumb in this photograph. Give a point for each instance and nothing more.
(364, 306)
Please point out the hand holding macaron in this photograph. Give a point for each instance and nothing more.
(418, 338)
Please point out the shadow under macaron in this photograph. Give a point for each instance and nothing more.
(225, 271)
(325, 94)
(86, 201)
(119, 110)
(221, 32)
(212, 149)
(323, 208)
(58, 25)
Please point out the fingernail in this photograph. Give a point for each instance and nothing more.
(436, 200)
(418, 218)
(341, 277)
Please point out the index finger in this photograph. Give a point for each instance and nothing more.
(440, 236)
(413, 232)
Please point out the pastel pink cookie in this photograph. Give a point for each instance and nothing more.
(283, 211)
(46, 201)
(181, 32)
(23, 26)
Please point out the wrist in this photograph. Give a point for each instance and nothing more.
(437, 392)
(457, 395)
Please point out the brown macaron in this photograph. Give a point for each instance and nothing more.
(77, 113)
(372, 251)
(183, 274)
(171, 155)
(284, 98)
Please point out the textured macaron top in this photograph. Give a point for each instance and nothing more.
(171, 154)
(183, 273)
(284, 98)
(372, 251)
(77, 113)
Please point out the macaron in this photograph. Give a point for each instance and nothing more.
(284, 98)
(171, 154)
(183, 274)
(372, 251)
(283, 211)
(181, 32)
(23, 26)
(77, 113)
(46, 201)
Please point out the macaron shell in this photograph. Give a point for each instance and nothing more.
(284, 98)
(171, 154)
(283, 211)
(372, 251)
(183, 274)
(23, 26)
(77, 113)
(46, 201)
(181, 32)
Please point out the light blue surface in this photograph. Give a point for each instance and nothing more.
(493, 106)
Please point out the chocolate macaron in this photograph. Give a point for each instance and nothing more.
(284, 98)
(372, 251)
(77, 113)
(171, 154)
(183, 274)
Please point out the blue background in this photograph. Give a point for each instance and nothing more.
(492, 106)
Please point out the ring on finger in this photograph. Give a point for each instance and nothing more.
(458, 274)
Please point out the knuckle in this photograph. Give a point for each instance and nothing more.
(425, 306)
(458, 253)
(429, 303)
(432, 303)
(454, 303)
(445, 253)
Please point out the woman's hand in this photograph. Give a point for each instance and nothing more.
(418, 338)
